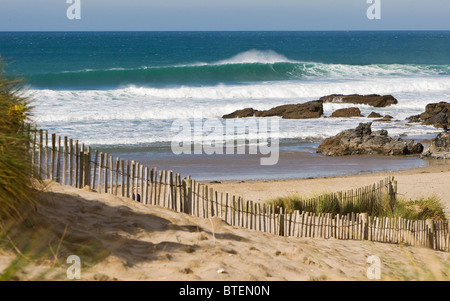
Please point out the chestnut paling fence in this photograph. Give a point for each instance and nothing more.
(69, 162)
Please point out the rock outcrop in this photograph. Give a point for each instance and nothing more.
(374, 115)
(311, 109)
(373, 100)
(437, 114)
(248, 112)
(347, 112)
(439, 148)
(362, 141)
(385, 118)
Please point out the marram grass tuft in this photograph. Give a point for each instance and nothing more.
(16, 193)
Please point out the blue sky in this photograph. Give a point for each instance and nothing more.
(50, 15)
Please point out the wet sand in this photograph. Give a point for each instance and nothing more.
(291, 165)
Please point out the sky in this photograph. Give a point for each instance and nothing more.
(203, 15)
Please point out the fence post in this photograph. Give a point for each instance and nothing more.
(70, 159)
(87, 169)
(122, 178)
(94, 172)
(365, 226)
(39, 171)
(111, 175)
(391, 194)
(46, 169)
(281, 222)
(81, 168)
(395, 188)
(106, 172)
(187, 193)
(100, 178)
(64, 169)
(33, 158)
(430, 232)
(58, 160)
(52, 158)
(75, 180)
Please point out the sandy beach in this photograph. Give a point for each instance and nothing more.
(119, 239)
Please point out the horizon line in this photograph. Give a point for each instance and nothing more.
(250, 30)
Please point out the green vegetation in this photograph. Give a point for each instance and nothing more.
(16, 193)
(374, 205)
(39, 245)
(422, 209)
(18, 232)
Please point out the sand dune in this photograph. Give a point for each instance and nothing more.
(119, 239)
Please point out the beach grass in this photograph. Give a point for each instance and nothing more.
(19, 231)
(421, 209)
(16, 192)
(375, 205)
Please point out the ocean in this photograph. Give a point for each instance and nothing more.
(122, 91)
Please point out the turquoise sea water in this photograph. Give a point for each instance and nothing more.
(100, 60)
(122, 91)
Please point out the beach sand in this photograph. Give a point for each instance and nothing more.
(119, 239)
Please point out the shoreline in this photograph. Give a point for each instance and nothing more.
(291, 165)
(293, 160)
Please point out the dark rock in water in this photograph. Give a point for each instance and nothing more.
(437, 114)
(374, 115)
(248, 112)
(439, 147)
(347, 112)
(414, 119)
(385, 118)
(362, 141)
(373, 100)
(311, 109)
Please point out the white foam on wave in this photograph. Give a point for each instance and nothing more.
(137, 103)
(255, 56)
(318, 70)
(146, 133)
(252, 56)
(135, 115)
(292, 90)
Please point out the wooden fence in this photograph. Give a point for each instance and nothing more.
(69, 162)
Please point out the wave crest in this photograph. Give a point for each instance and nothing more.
(246, 67)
